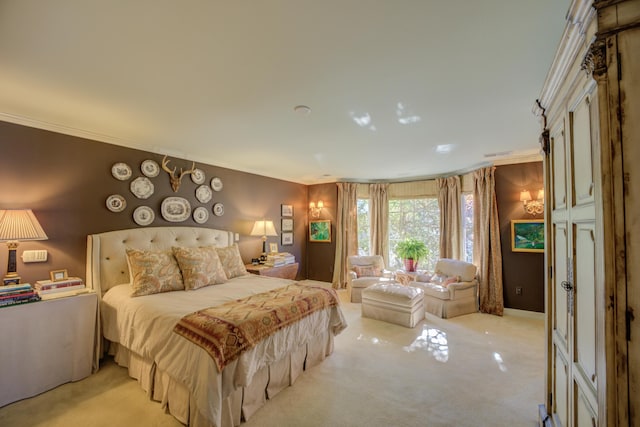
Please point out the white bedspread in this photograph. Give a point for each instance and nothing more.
(145, 326)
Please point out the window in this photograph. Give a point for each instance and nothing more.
(467, 227)
(364, 227)
(418, 218)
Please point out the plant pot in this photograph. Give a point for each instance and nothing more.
(410, 265)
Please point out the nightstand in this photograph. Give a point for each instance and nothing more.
(45, 344)
(288, 271)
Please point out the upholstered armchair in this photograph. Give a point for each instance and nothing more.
(365, 271)
(452, 290)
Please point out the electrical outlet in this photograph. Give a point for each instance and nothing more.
(34, 256)
(518, 290)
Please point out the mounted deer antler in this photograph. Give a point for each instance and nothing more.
(176, 180)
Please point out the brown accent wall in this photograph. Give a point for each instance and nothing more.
(520, 269)
(321, 256)
(66, 181)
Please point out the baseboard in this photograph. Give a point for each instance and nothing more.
(523, 313)
(544, 420)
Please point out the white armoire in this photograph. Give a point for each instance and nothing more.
(589, 109)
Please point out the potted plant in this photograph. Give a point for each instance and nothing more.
(411, 251)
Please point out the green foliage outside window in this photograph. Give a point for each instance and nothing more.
(418, 219)
(364, 227)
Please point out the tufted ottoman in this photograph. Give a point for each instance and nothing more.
(393, 303)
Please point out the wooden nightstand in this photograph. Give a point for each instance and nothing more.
(289, 271)
(45, 344)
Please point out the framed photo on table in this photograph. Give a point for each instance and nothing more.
(527, 235)
(320, 231)
(57, 275)
(273, 248)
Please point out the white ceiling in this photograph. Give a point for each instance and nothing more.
(388, 81)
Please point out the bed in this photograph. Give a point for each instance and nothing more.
(182, 375)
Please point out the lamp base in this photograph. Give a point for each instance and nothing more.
(13, 280)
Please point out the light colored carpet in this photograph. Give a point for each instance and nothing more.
(473, 370)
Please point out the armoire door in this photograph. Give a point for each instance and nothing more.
(572, 257)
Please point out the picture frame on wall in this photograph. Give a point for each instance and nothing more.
(286, 210)
(527, 235)
(320, 231)
(287, 224)
(286, 239)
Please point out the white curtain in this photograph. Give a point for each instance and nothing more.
(346, 231)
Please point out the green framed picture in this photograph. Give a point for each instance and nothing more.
(527, 235)
(320, 231)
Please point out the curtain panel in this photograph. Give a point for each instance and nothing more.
(379, 197)
(450, 216)
(486, 243)
(346, 231)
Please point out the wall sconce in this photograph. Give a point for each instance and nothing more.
(263, 228)
(532, 207)
(15, 226)
(315, 209)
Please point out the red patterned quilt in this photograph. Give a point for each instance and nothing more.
(229, 329)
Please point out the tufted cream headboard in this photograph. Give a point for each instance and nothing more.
(106, 257)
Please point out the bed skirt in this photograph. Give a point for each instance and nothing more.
(243, 402)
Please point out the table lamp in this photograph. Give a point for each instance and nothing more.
(263, 228)
(18, 225)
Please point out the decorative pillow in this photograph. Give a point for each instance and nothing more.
(438, 278)
(200, 266)
(153, 272)
(449, 280)
(231, 261)
(367, 271)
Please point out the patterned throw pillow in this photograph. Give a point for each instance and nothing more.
(200, 266)
(438, 278)
(367, 271)
(153, 272)
(449, 280)
(231, 261)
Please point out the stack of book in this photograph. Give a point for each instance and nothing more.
(48, 289)
(17, 294)
(279, 259)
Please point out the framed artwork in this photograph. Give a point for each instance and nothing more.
(287, 224)
(286, 210)
(273, 248)
(320, 231)
(286, 239)
(57, 275)
(527, 235)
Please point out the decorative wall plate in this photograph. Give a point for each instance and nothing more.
(197, 176)
(204, 193)
(200, 215)
(121, 171)
(218, 209)
(142, 187)
(150, 168)
(116, 203)
(216, 184)
(143, 215)
(175, 209)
